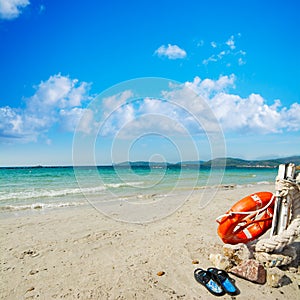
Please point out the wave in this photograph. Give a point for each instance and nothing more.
(32, 194)
(36, 206)
(233, 185)
(50, 193)
(264, 182)
(123, 184)
(254, 184)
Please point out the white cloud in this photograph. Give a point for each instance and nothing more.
(247, 115)
(241, 61)
(184, 112)
(291, 117)
(170, 51)
(212, 58)
(231, 43)
(11, 9)
(231, 56)
(11, 122)
(69, 119)
(250, 114)
(143, 117)
(60, 102)
(57, 101)
(58, 91)
(181, 111)
(209, 87)
(222, 53)
(113, 102)
(180, 114)
(213, 44)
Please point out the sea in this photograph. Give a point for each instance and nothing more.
(41, 189)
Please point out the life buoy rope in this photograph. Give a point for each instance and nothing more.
(247, 219)
(231, 213)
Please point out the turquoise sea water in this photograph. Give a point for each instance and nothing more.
(47, 188)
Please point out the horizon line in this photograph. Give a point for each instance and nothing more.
(144, 161)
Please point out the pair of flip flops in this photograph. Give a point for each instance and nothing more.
(216, 281)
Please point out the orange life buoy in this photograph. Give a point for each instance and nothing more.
(247, 219)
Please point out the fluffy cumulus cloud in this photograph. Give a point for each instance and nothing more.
(247, 115)
(195, 107)
(143, 116)
(11, 9)
(58, 91)
(209, 87)
(202, 105)
(170, 51)
(56, 102)
(291, 117)
(10, 123)
(179, 110)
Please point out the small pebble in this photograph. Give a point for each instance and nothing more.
(30, 289)
(161, 273)
(195, 262)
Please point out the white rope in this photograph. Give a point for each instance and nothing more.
(268, 250)
(231, 213)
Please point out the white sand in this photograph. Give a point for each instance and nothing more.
(81, 254)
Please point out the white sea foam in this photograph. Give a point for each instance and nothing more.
(38, 205)
(239, 186)
(50, 193)
(43, 193)
(123, 184)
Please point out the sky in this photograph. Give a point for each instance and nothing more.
(216, 78)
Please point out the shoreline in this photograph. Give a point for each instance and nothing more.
(44, 207)
(80, 253)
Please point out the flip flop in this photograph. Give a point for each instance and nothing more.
(207, 280)
(223, 279)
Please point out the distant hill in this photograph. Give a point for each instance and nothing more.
(241, 163)
(227, 162)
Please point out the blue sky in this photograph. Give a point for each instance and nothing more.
(57, 56)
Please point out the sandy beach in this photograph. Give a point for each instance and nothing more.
(78, 253)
